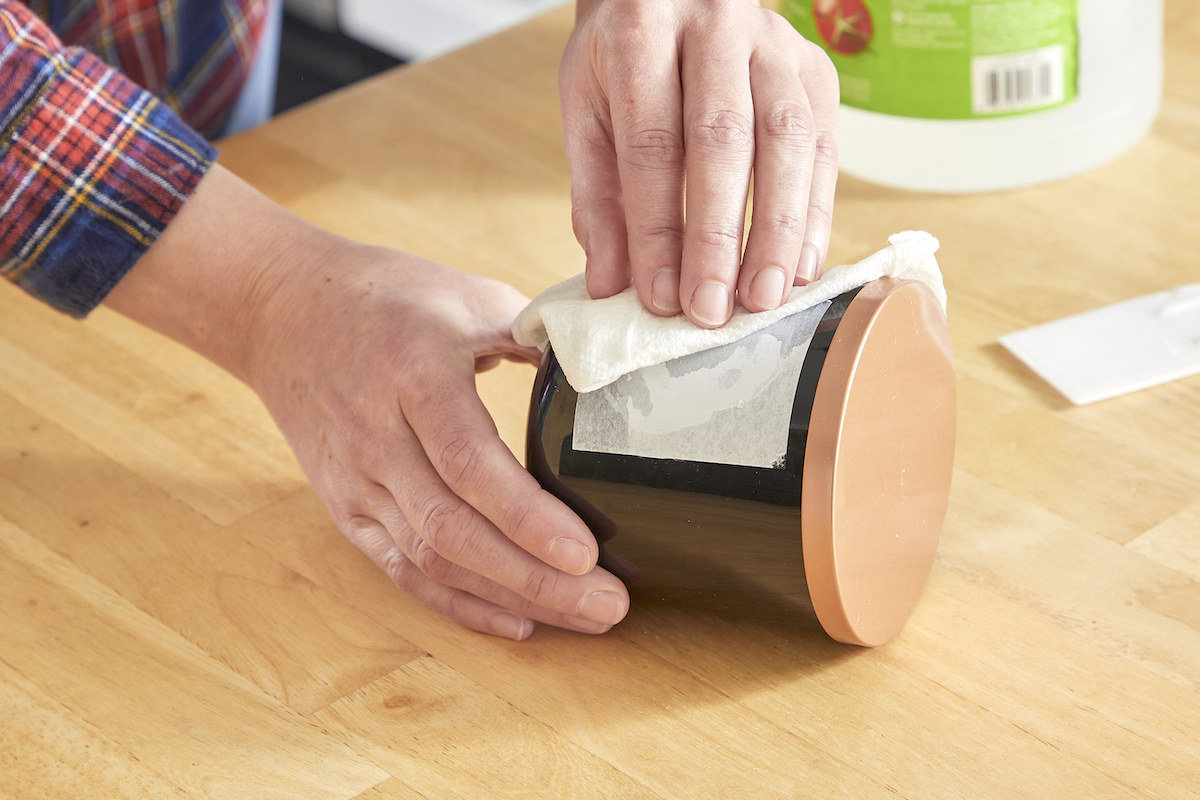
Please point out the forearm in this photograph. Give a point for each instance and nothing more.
(218, 270)
(366, 358)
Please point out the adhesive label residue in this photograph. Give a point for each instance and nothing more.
(946, 59)
(728, 405)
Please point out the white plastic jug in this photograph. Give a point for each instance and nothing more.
(1043, 109)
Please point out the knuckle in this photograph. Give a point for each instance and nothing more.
(459, 456)
(444, 524)
(399, 569)
(594, 216)
(779, 28)
(430, 562)
(587, 211)
(539, 586)
(672, 234)
(827, 149)
(519, 516)
(458, 608)
(788, 224)
(723, 128)
(653, 148)
(789, 120)
(424, 387)
(724, 237)
(819, 217)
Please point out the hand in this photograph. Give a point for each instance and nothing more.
(656, 91)
(377, 398)
(366, 358)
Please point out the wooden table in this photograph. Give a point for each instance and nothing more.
(179, 617)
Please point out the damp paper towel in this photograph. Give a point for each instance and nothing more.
(660, 387)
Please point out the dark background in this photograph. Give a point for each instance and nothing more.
(313, 62)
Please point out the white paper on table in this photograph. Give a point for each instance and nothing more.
(1116, 349)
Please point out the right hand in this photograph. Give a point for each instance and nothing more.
(669, 106)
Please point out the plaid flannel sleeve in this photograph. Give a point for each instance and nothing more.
(92, 167)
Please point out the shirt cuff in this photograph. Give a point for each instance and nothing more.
(90, 176)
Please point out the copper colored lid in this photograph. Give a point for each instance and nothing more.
(878, 460)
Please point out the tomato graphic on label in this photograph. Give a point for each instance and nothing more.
(845, 25)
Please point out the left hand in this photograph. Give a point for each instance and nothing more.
(366, 358)
(367, 362)
(659, 95)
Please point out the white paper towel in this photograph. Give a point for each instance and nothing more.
(598, 341)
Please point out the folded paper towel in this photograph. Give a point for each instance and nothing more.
(598, 341)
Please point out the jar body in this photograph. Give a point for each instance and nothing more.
(1117, 92)
(841, 532)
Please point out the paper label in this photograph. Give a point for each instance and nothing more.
(946, 59)
(728, 405)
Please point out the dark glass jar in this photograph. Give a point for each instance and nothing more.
(842, 533)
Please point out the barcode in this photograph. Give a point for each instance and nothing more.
(1017, 81)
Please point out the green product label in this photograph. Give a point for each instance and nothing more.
(946, 59)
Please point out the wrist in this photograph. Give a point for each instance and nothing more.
(212, 280)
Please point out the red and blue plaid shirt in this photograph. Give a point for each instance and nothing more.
(93, 165)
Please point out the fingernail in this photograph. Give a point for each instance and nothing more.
(664, 291)
(510, 626)
(584, 626)
(710, 303)
(569, 556)
(809, 269)
(607, 608)
(766, 290)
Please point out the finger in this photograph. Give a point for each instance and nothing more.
(820, 76)
(648, 130)
(784, 142)
(421, 564)
(719, 136)
(518, 553)
(452, 543)
(455, 430)
(373, 539)
(597, 210)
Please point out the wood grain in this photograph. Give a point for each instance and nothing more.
(180, 617)
(262, 620)
(50, 752)
(425, 721)
(181, 713)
